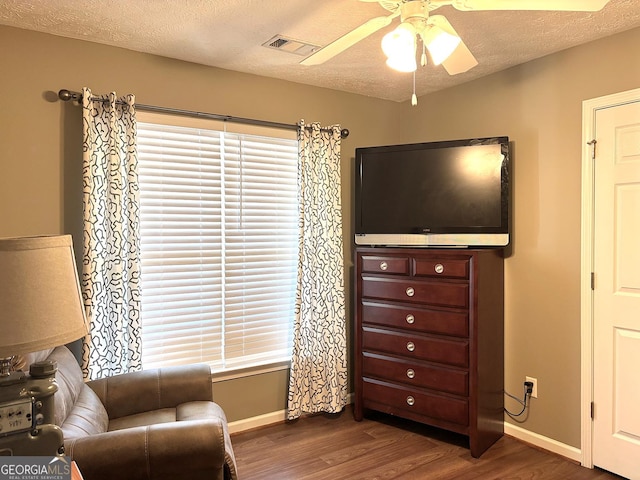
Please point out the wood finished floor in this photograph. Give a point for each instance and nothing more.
(384, 448)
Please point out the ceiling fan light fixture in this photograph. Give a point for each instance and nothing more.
(403, 63)
(440, 44)
(399, 46)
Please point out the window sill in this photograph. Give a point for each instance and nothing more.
(223, 376)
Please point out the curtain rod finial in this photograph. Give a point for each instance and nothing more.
(344, 133)
(66, 95)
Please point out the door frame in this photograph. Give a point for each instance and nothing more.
(589, 110)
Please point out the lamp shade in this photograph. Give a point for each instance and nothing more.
(40, 301)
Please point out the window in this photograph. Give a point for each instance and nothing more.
(218, 223)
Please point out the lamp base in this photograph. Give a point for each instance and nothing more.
(5, 366)
(12, 378)
(27, 416)
(45, 441)
(7, 376)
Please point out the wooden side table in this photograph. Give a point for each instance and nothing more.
(75, 472)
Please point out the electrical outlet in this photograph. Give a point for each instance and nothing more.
(534, 393)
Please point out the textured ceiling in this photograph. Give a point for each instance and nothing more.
(229, 34)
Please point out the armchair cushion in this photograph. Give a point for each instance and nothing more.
(148, 390)
(88, 417)
(78, 410)
(183, 412)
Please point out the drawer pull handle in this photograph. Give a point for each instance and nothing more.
(383, 266)
(411, 373)
(410, 292)
(411, 401)
(410, 319)
(439, 268)
(411, 346)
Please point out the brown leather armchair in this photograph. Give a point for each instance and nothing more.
(154, 424)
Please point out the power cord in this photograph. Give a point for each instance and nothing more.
(528, 390)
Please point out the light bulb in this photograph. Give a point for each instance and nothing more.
(403, 63)
(399, 46)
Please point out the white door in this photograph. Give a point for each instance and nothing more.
(616, 294)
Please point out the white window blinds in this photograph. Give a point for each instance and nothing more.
(218, 216)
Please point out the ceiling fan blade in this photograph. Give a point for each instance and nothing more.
(461, 59)
(354, 36)
(560, 5)
(391, 5)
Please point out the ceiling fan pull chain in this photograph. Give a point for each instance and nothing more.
(423, 58)
(414, 98)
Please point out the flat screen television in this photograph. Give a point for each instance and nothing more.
(451, 193)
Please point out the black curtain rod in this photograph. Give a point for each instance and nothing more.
(67, 95)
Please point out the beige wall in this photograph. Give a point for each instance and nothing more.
(538, 105)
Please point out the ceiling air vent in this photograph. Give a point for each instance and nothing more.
(285, 44)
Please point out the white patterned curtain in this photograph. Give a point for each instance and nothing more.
(111, 249)
(318, 380)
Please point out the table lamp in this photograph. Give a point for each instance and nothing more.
(40, 308)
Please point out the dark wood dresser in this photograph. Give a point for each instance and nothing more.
(429, 336)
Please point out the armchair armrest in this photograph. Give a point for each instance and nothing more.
(156, 452)
(137, 392)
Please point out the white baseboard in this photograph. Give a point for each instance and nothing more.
(259, 421)
(572, 453)
(264, 420)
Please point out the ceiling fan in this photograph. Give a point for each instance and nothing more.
(433, 33)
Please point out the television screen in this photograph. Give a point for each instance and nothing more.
(440, 193)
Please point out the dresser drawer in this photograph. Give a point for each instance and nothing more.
(450, 352)
(441, 267)
(416, 374)
(385, 264)
(416, 319)
(418, 291)
(454, 410)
